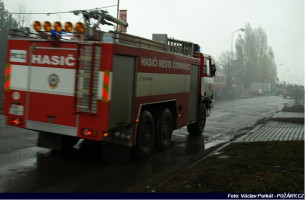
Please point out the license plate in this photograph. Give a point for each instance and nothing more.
(16, 109)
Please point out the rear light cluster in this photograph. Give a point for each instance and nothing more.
(89, 132)
(16, 121)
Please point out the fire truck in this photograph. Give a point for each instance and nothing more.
(225, 86)
(79, 82)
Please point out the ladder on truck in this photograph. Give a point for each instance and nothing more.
(176, 46)
(87, 74)
(179, 46)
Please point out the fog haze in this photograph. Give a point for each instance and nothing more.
(210, 23)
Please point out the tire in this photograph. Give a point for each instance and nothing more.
(164, 130)
(145, 136)
(198, 127)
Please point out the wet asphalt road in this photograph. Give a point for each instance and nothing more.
(27, 168)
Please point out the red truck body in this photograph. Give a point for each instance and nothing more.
(98, 89)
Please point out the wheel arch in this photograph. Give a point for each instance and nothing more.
(156, 108)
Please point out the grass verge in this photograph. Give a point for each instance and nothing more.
(260, 167)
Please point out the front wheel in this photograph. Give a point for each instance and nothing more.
(198, 127)
(145, 135)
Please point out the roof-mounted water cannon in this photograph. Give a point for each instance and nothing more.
(101, 16)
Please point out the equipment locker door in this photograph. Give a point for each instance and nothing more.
(122, 90)
(193, 95)
(50, 99)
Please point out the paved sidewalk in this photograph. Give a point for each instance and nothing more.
(285, 126)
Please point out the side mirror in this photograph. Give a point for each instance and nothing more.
(213, 70)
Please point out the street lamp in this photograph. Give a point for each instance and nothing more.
(285, 76)
(292, 79)
(263, 75)
(278, 71)
(283, 69)
(241, 29)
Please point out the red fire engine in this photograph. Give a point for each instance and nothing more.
(105, 86)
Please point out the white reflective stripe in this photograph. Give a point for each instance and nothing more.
(40, 83)
(64, 85)
(54, 128)
(19, 77)
(158, 84)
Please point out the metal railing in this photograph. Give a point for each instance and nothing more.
(175, 47)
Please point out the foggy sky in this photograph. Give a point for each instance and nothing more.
(209, 23)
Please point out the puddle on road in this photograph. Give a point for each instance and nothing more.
(219, 139)
(51, 172)
(14, 173)
(48, 171)
(223, 157)
(214, 143)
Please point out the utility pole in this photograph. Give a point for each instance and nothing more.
(117, 15)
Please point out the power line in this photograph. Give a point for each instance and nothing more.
(106, 6)
(51, 13)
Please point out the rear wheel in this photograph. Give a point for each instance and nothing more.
(198, 127)
(164, 130)
(145, 136)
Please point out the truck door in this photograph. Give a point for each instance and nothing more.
(50, 98)
(193, 95)
(122, 92)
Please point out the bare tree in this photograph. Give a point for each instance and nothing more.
(225, 61)
(255, 59)
(22, 19)
(6, 22)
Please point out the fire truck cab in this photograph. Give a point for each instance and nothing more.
(106, 86)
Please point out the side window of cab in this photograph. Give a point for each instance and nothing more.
(205, 66)
(213, 67)
(208, 67)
